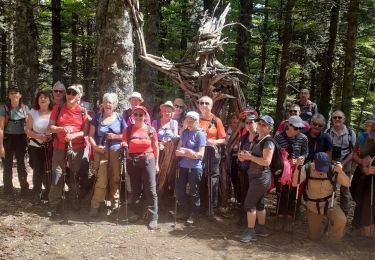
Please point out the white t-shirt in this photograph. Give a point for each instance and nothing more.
(40, 125)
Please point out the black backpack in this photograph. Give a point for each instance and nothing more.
(277, 162)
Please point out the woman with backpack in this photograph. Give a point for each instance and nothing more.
(13, 141)
(40, 144)
(142, 164)
(105, 135)
(260, 178)
(190, 150)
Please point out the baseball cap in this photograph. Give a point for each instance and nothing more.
(251, 117)
(296, 121)
(370, 119)
(322, 162)
(193, 114)
(76, 88)
(267, 119)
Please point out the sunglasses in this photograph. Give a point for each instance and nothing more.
(177, 106)
(337, 117)
(293, 127)
(293, 111)
(138, 115)
(58, 91)
(249, 122)
(204, 103)
(317, 124)
(71, 92)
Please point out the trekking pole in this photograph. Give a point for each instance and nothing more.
(299, 167)
(176, 194)
(124, 155)
(72, 154)
(63, 197)
(209, 179)
(278, 205)
(48, 170)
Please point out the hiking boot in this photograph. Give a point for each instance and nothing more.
(248, 236)
(153, 225)
(94, 212)
(261, 231)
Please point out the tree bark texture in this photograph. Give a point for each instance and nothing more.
(283, 76)
(3, 62)
(56, 40)
(350, 44)
(148, 76)
(115, 50)
(88, 60)
(325, 104)
(25, 50)
(243, 37)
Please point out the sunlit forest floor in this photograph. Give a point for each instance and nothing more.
(27, 233)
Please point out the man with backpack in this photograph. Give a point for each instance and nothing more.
(343, 140)
(69, 124)
(320, 184)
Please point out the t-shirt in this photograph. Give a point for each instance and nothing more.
(322, 143)
(69, 117)
(365, 146)
(214, 131)
(115, 127)
(192, 140)
(167, 132)
(16, 122)
(140, 141)
(40, 125)
(296, 147)
(255, 170)
(307, 110)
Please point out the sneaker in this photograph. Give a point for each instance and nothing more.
(94, 212)
(153, 225)
(261, 231)
(248, 236)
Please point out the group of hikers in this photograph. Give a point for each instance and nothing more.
(303, 160)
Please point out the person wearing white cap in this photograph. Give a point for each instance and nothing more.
(190, 149)
(135, 99)
(165, 126)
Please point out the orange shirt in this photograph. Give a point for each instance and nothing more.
(142, 142)
(215, 131)
(69, 117)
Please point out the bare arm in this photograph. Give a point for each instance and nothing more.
(302, 176)
(342, 178)
(2, 151)
(265, 160)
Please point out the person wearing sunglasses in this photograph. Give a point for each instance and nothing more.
(318, 140)
(215, 134)
(260, 178)
(343, 140)
(308, 108)
(69, 124)
(294, 110)
(142, 164)
(363, 180)
(58, 93)
(179, 112)
(296, 145)
(135, 99)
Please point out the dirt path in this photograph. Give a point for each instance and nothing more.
(27, 233)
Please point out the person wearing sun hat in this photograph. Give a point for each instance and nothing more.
(165, 126)
(135, 99)
(320, 178)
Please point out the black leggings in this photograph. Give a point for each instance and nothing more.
(40, 161)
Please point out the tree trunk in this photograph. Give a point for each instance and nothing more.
(327, 82)
(148, 76)
(184, 17)
(350, 44)
(56, 40)
(263, 57)
(115, 50)
(74, 48)
(243, 37)
(3, 63)
(88, 67)
(287, 39)
(25, 50)
(209, 5)
(277, 49)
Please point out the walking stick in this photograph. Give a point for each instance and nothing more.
(278, 205)
(209, 179)
(48, 169)
(70, 152)
(299, 167)
(124, 156)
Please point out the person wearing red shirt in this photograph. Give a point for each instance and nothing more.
(69, 124)
(215, 132)
(142, 163)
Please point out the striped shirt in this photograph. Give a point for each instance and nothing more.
(297, 146)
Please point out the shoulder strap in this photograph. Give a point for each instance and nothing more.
(58, 112)
(350, 138)
(128, 132)
(213, 122)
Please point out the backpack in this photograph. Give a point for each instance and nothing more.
(277, 162)
(331, 176)
(350, 135)
(7, 114)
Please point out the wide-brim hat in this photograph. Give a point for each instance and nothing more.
(167, 104)
(136, 95)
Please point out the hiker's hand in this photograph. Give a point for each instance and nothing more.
(157, 168)
(111, 136)
(338, 168)
(211, 142)
(2, 152)
(371, 170)
(45, 138)
(99, 149)
(180, 152)
(366, 161)
(300, 160)
(68, 129)
(69, 137)
(124, 144)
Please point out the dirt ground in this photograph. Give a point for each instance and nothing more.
(27, 233)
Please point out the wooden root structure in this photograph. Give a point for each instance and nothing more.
(199, 73)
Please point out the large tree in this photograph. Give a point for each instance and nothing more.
(115, 49)
(25, 49)
(56, 39)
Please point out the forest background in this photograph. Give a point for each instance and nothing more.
(327, 46)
